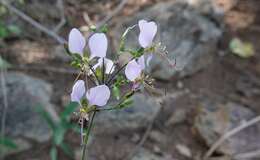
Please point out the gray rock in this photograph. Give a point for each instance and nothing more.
(215, 119)
(144, 154)
(158, 137)
(184, 150)
(59, 53)
(136, 116)
(21, 146)
(179, 116)
(26, 52)
(45, 12)
(189, 37)
(24, 95)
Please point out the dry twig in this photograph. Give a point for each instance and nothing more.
(47, 68)
(229, 134)
(33, 22)
(247, 155)
(144, 137)
(112, 14)
(62, 22)
(158, 100)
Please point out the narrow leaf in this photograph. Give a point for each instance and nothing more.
(46, 116)
(4, 64)
(54, 153)
(68, 111)
(67, 150)
(7, 142)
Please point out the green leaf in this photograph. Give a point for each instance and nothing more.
(54, 153)
(67, 150)
(59, 134)
(68, 125)
(4, 64)
(3, 31)
(126, 103)
(14, 29)
(242, 49)
(137, 53)
(7, 142)
(75, 64)
(76, 61)
(93, 28)
(68, 111)
(77, 57)
(116, 92)
(47, 117)
(104, 29)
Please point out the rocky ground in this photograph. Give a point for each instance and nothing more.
(209, 92)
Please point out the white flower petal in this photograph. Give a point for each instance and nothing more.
(133, 70)
(141, 62)
(147, 33)
(98, 45)
(98, 64)
(148, 59)
(78, 91)
(76, 42)
(98, 95)
(109, 64)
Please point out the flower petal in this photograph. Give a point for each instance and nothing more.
(147, 33)
(132, 70)
(78, 91)
(98, 64)
(98, 95)
(141, 62)
(76, 42)
(148, 59)
(98, 45)
(109, 64)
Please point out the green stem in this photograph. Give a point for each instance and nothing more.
(103, 72)
(126, 95)
(87, 136)
(95, 75)
(117, 72)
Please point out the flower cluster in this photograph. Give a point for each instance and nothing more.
(104, 77)
(104, 67)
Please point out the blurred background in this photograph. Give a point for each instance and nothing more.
(214, 87)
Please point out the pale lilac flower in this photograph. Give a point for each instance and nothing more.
(98, 95)
(78, 91)
(134, 68)
(141, 62)
(148, 59)
(109, 65)
(98, 45)
(76, 42)
(147, 33)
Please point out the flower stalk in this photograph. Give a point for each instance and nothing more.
(85, 142)
(101, 71)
